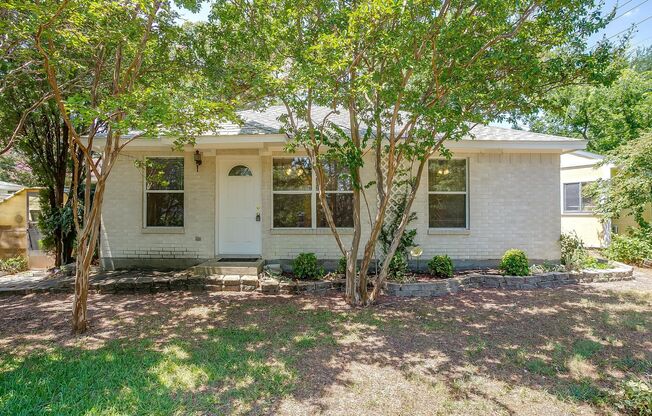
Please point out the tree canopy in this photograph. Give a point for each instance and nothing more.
(408, 75)
(606, 115)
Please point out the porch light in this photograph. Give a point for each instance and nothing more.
(288, 171)
(197, 157)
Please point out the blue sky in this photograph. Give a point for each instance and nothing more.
(629, 13)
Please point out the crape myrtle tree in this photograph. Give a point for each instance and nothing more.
(138, 78)
(410, 75)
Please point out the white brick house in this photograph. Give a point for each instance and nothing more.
(249, 197)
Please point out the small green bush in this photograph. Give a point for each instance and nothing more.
(305, 267)
(514, 263)
(632, 249)
(341, 266)
(14, 264)
(441, 266)
(636, 397)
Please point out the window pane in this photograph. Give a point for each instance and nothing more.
(164, 173)
(447, 211)
(587, 199)
(571, 197)
(447, 175)
(292, 210)
(240, 170)
(337, 177)
(341, 207)
(165, 210)
(292, 174)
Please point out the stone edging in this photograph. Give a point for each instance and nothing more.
(245, 283)
(540, 281)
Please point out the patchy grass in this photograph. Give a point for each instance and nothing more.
(566, 351)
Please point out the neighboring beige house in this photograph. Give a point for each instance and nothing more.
(578, 169)
(19, 234)
(250, 198)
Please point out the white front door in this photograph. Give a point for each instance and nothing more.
(238, 196)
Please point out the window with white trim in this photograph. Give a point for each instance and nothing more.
(575, 199)
(295, 199)
(448, 193)
(164, 191)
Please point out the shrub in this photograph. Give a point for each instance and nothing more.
(514, 263)
(573, 252)
(398, 267)
(636, 397)
(632, 249)
(341, 265)
(441, 266)
(14, 264)
(305, 267)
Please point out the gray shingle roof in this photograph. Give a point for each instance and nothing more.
(266, 122)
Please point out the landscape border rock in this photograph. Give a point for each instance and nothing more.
(539, 281)
(121, 282)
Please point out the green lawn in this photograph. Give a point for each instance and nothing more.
(553, 352)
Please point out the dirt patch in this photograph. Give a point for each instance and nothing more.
(478, 352)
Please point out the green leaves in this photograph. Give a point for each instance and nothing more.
(630, 188)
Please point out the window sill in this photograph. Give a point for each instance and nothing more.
(449, 231)
(309, 231)
(163, 230)
(577, 214)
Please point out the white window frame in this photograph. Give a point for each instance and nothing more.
(163, 191)
(467, 218)
(581, 209)
(314, 195)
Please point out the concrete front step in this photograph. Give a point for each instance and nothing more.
(216, 267)
(231, 282)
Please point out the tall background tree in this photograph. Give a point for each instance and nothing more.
(605, 115)
(42, 144)
(408, 75)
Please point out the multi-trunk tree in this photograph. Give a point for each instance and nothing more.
(409, 76)
(135, 77)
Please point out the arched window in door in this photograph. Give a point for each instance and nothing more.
(240, 170)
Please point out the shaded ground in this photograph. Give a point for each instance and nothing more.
(561, 351)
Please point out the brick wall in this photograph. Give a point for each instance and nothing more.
(125, 242)
(514, 201)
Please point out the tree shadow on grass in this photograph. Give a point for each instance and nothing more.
(251, 354)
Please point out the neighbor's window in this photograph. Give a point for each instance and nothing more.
(164, 192)
(575, 200)
(447, 193)
(295, 197)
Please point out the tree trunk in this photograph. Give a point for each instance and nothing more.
(79, 315)
(88, 238)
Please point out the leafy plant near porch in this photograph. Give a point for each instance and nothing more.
(305, 266)
(410, 76)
